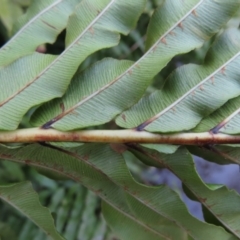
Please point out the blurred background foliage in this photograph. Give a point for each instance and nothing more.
(77, 211)
(10, 11)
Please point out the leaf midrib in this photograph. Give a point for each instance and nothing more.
(60, 56)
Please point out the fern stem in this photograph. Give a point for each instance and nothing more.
(115, 136)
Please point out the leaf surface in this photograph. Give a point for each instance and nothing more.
(163, 148)
(20, 93)
(220, 154)
(86, 33)
(185, 27)
(223, 120)
(127, 227)
(91, 99)
(192, 91)
(147, 197)
(22, 197)
(212, 198)
(43, 21)
(94, 169)
(77, 167)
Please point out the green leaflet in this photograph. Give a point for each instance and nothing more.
(41, 24)
(77, 167)
(86, 33)
(118, 222)
(134, 80)
(148, 197)
(76, 100)
(93, 165)
(223, 120)
(213, 199)
(163, 148)
(91, 99)
(161, 23)
(198, 23)
(22, 197)
(128, 227)
(208, 216)
(74, 208)
(220, 154)
(192, 91)
(66, 144)
(19, 93)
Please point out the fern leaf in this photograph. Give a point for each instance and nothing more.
(41, 24)
(226, 154)
(224, 120)
(100, 100)
(92, 169)
(22, 197)
(212, 199)
(135, 228)
(134, 80)
(191, 92)
(85, 35)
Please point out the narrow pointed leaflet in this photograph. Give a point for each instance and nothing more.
(91, 98)
(192, 91)
(41, 24)
(221, 154)
(79, 169)
(94, 169)
(22, 197)
(100, 28)
(105, 102)
(181, 164)
(224, 120)
(143, 196)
